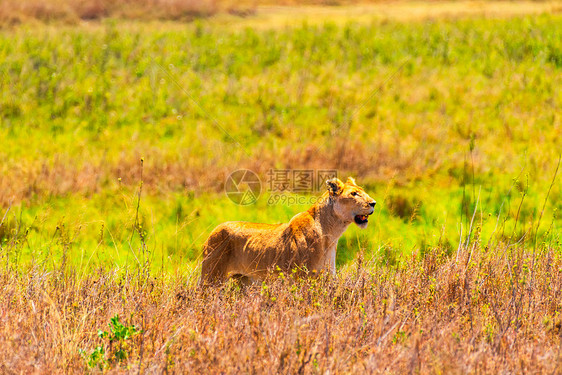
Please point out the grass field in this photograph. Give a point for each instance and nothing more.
(117, 137)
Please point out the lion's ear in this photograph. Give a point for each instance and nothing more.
(335, 186)
(351, 181)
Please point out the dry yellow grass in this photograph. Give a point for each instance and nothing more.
(481, 311)
(161, 174)
(269, 16)
(267, 13)
(74, 10)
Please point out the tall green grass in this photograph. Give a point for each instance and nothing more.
(441, 120)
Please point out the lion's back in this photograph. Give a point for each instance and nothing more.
(232, 236)
(237, 229)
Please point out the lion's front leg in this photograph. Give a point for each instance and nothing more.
(330, 264)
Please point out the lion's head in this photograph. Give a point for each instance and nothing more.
(350, 201)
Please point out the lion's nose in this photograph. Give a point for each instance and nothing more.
(372, 204)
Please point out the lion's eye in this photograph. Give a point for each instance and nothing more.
(355, 194)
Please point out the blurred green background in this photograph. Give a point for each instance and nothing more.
(441, 118)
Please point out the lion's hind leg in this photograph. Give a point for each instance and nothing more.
(216, 257)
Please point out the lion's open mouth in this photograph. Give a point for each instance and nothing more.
(361, 219)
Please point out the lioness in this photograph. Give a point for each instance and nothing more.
(250, 251)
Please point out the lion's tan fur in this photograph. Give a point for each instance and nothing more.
(308, 241)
